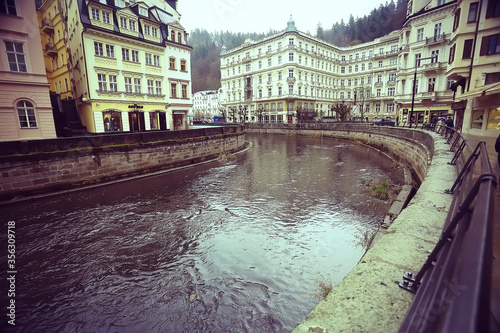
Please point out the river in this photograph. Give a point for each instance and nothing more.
(236, 246)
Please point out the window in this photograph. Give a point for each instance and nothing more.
(172, 63)
(147, 30)
(391, 91)
(370, 66)
(280, 91)
(137, 85)
(105, 17)
(113, 83)
(467, 53)
(269, 92)
(143, 11)
(125, 54)
(179, 38)
(151, 88)
(173, 90)
(379, 78)
(135, 56)
(184, 91)
(490, 44)
(158, 88)
(280, 60)
(132, 25)
(493, 9)
(26, 113)
(15, 55)
(172, 35)
(290, 41)
(342, 70)
(392, 77)
(380, 63)
(290, 56)
(437, 30)
(154, 32)
(95, 14)
(432, 83)
(379, 92)
(110, 51)
(435, 56)
(420, 34)
(8, 7)
(456, 20)
(452, 54)
(394, 61)
(99, 50)
(390, 108)
(350, 69)
(149, 59)
(269, 62)
(123, 22)
(101, 79)
(355, 68)
(183, 65)
(128, 85)
(471, 17)
(377, 108)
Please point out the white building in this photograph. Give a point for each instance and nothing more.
(270, 79)
(207, 105)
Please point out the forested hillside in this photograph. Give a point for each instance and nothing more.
(205, 63)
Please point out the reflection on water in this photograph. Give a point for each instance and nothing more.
(231, 247)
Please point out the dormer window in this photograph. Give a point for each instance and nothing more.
(179, 37)
(143, 11)
(96, 14)
(172, 36)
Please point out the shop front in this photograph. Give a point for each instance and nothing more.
(482, 113)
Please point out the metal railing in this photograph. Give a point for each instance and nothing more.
(453, 286)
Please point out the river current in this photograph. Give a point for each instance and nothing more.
(237, 246)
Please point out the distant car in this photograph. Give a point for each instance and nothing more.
(385, 122)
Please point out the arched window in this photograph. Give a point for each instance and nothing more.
(172, 36)
(26, 113)
(179, 38)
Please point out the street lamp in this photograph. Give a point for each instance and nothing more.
(417, 64)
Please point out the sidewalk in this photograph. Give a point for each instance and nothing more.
(495, 278)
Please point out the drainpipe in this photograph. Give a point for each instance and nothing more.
(474, 43)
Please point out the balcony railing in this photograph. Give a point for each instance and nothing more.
(47, 26)
(436, 39)
(50, 50)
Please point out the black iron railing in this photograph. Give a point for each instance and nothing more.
(453, 286)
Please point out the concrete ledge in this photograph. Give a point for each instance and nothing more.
(369, 298)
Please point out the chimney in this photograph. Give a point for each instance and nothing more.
(172, 3)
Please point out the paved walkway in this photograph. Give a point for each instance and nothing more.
(495, 282)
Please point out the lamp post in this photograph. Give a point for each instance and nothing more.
(417, 64)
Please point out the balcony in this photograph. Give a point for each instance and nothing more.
(434, 67)
(404, 48)
(290, 80)
(391, 82)
(50, 50)
(246, 59)
(378, 84)
(47, 27)
(438, 39)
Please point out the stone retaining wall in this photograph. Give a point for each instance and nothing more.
(41, 166)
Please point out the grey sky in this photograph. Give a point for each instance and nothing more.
(262, 15)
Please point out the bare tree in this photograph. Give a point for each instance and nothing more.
(342, 110)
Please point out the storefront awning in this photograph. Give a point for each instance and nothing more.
(489, 89)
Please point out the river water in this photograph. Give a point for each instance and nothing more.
(222, 247)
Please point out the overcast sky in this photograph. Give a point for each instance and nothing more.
(262, 15)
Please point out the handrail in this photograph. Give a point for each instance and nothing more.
(452, 287)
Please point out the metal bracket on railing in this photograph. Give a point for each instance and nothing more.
(458, 152)
(408, 282)
(467, 165)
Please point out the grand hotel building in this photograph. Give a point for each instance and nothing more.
(443, 61)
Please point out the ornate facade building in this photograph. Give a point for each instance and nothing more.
(131, 65)
(25, 109)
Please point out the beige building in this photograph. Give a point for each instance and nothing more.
(474, 63)
(207, 106)
(131, 65)
(25, 109)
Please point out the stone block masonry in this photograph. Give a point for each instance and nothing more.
(42, 166)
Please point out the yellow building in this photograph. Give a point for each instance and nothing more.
(52, 15)
(473, 63)
(130, 75)
(25, 109)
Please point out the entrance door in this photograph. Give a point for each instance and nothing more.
(178, 121)
(136, 121)
(163, 121)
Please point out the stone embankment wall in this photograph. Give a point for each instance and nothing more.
(41, 166)
(413, 146)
